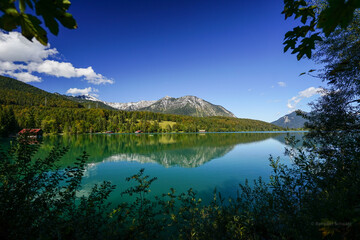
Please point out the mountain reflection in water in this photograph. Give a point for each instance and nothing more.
(169, 150)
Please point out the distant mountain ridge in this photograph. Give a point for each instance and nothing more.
(291, 120)
(131, 106)
(187, 105)
(89, 101)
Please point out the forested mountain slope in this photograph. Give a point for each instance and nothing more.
(25, 106)
(14, 92)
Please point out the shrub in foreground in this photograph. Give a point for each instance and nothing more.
(315, 197)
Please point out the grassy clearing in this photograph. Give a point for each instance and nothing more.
(163, 124)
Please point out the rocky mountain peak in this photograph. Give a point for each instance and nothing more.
(166, 97)
(291, 120)
(186, 105)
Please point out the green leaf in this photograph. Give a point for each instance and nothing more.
(289, 44)
(68, 21)
(66, 4)
(11, 11)
(300, 55)
(30, 28)
(303, 73)
(304, 19)
(22, 6)
(338, 13)
(286, 48)
(307, 51)
(8, 22)
(51, 24)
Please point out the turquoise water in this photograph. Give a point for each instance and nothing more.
(180, 161)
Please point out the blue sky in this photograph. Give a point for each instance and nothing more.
(229, 53)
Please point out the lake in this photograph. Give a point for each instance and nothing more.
(180, 161)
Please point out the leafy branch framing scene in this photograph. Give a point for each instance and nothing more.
(24, 14)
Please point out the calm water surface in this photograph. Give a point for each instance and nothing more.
(180, 161)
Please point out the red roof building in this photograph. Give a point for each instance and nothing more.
(32, 132)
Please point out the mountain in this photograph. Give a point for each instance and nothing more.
(14, 92)
(88, 97)
(131, 106)
(291, 120)
(187, 105)
(89, 101)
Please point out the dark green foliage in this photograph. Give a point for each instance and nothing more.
(80, 120)
(8, 123)
(339, 54)
(14, 14)
(302, 38)
(318, 18)
(337, 13)
(317, 196)
(14, 92)
(38, 200)
(320, 191)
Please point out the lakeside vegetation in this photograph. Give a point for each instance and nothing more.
(75, 120)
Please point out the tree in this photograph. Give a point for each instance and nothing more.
(319, 19)
(53, 12)
(30, 119)
(339, 54)
(321, 187)
(7, 121)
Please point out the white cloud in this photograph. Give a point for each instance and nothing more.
(24, 76)
(67, 70)
(79, 91)
(20, 58)
(10, 66)
(15, 48)
(309, 92)
(281, 84)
